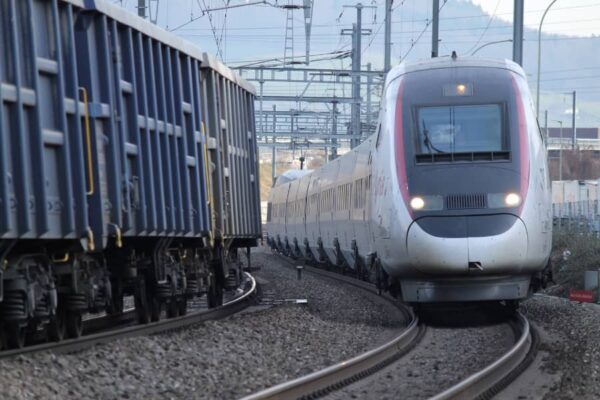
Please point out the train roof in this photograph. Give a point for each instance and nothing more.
(170, 39)
(450, 62)
(291, 175)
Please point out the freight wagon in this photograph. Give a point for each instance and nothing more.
(128, 166)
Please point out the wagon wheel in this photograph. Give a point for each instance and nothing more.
(214, 296)
(172, 308)
(15, 335)
(155, 308)
(182, 306)
(57, 327)
(74, 324)
(142, 307)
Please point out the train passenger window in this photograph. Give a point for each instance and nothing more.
(460, 129)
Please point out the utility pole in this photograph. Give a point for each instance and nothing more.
(308, 14)
(546, 127)
(288, 50)
(369, 102)
(387, 64)
(142, 8)
(334, 141)
(357, 33)
(435, 29)
(274, 153)
(518, 32)
(560, 151)
(356, 59)
(574, 115)
(539, 61)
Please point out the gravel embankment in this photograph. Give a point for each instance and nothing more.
(444, 356)
(220, 359)
(570, 347)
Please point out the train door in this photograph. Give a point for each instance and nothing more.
(305, 210)
(287, 210)
(345, 227)
(368, 229)
(312, 223)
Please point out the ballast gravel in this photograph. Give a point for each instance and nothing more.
(443, 357)
(224, 359)
(570, 347)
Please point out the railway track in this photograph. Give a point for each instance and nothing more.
(489, 381)
(483, 384)
(71, 345)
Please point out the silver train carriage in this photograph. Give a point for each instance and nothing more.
(448, 201)
(128, 166)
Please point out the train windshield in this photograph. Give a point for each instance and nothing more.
(460, 129)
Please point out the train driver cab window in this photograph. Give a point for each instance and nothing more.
(460, 130)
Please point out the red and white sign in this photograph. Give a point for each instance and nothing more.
(585, 296)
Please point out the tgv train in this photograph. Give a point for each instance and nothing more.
(448, 202)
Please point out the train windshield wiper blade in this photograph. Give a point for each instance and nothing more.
(427, 140)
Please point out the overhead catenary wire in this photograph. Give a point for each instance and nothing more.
(413, 44)
(227, 7)
(485, 29)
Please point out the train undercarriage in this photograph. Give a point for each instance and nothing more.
(48, 291)
(369, 269)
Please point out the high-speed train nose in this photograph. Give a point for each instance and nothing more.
(498, 253)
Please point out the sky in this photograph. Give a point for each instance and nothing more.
(565, 17)
(246, 33)
(243, 35)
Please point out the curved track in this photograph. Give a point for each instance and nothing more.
(231, 307)
(488, 382)
(483, 384)
(346, 372)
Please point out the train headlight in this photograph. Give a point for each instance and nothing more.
(503, 200)
(512, 200)
(417, 203)
(429, 203)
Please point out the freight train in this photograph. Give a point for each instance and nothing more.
(128, 166)
(449, 201)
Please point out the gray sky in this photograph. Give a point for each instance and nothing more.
(571, 56)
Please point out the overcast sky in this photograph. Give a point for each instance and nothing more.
(254, 32)
(571, 60)
(566, 17)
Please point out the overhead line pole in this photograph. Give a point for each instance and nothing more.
(574, 115)
(142, 8)
(387, 64)
(356, 59)
(539, 61)
(518, 32)
(435, 29)
(357, 33)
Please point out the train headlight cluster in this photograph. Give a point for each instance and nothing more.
(433, 202)
(512, 200)
(503, 200)
(417, 203)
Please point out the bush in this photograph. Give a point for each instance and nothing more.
(584, 255)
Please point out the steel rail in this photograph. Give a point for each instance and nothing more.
(346, 372)
(84, 342)
(478, 384)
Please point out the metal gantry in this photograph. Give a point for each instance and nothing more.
(310, 107)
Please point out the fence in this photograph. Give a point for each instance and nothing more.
(578, 216)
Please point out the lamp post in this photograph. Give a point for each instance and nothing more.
(489, 44)
(560, 150)
(539, 60)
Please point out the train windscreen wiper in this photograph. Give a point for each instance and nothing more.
(427, 141)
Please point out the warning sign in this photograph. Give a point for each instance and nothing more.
(584, 296)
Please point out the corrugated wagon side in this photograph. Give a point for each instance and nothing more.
(229, 123)
(113, 178)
